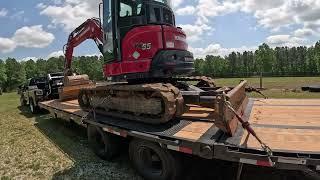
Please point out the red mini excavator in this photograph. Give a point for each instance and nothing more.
(146, 63)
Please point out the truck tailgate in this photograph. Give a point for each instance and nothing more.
(286, 125)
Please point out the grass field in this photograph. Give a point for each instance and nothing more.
(284, 87)
(38, 147)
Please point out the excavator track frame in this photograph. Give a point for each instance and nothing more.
(102, 98)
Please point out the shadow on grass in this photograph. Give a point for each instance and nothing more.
(71, 139)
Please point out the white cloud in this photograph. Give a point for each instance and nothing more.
(29, 37)
(60, 53)
(70, 13)
(194, 32)
(55, 54)
(33, 37)
(205, 10)
(303, 32)
(284, 40)
(41, 6)
(258, 5)
(7, 45)
(218, 50)
(273, 15)
(29, 58)
(188, 10)
(176, 3)
(3, 12)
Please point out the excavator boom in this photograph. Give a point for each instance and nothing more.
(90, 29)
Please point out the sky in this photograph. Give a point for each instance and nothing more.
(39, 28)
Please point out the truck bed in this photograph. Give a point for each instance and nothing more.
(291, 128)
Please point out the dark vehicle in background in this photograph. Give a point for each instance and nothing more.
(34, 91)
(55, 81)
(40, 89)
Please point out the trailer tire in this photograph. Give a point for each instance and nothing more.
(153, 162)
(33, 108)
(103, 144)
(22, 102)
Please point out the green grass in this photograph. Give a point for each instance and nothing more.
(278, 87)
(37, 147)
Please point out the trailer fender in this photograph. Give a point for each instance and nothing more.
(104, 145)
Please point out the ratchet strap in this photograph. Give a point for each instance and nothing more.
(247, 126)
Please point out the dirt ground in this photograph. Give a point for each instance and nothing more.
(38, 147)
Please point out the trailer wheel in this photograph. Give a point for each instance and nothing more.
(153, 162)
(22, 102)
(33, 108)
(104, 145)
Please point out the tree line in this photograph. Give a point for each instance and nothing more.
(279, 61)
(14, 73)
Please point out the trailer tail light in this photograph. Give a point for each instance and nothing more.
(180, 149)
(118, 133)
(256, 162)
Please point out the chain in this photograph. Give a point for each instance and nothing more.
(93, 109)
(246, 125)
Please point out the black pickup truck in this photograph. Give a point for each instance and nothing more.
(40, 89)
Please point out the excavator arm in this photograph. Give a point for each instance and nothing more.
(90, 29)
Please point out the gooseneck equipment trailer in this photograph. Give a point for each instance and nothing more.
(289, 127)
(148, 99)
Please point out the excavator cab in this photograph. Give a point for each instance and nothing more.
(143, 32)
(121, 16)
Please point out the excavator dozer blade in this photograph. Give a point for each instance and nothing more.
(73, 85)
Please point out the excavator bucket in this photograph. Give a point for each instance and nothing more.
(73, 85)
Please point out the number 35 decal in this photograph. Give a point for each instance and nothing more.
(143, 46)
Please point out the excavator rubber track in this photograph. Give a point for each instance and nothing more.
(149, 103)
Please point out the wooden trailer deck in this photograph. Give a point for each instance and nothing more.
(285, 125)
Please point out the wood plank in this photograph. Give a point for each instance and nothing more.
(294, 116)
(285, 139)
(66, 106)
(285, 102)
(194, 130)
(195, 111)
